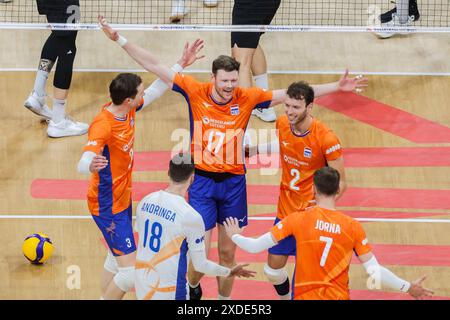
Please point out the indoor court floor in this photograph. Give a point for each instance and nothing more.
(396, 139)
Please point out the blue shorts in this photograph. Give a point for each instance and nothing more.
(286, 247)
(117, 230)
(217, 200)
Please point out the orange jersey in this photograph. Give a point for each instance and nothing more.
(110, 189)
(325, 241)
(300, 157)
(217, 130)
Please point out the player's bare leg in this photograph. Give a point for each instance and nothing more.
(277, 275)
(259, 71)
(194, 277)
(226, 249)
(123, 281)
(244, 56)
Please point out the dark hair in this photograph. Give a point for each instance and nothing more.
(124, 86)
(301, 91)
(225, 63)
(326, 181)
(181, 167)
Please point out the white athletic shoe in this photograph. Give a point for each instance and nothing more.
(395, 22)
(210, 3)
(265, 114)
(66, 127)
(179, 10)
(5, 1)
(37, 105)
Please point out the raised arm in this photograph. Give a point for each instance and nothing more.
(148, 61)
(345, 84)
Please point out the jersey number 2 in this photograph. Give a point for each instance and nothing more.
(154, 242)
(296, 174)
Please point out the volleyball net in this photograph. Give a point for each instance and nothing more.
(292, 15)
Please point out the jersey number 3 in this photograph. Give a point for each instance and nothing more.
(154, 243)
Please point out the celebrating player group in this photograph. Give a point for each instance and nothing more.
(174, 235)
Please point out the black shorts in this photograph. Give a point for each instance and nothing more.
(252, 12)
(56, 12)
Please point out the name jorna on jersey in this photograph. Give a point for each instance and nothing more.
(159, 211)
(328, 227)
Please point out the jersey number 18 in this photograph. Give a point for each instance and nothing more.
(154, 242)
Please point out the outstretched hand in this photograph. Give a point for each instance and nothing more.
(352, 84)
(231, 225)
(110, 32)
(417, 291)
(239, 271)
(191, 53)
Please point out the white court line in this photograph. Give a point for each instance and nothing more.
(81, 217)
(320, 72)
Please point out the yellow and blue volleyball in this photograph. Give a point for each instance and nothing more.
(37, 248)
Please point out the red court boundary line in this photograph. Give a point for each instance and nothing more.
(353, 157)
(387, 118)
(264, 194)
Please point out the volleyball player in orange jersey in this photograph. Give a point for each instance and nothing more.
(108, 156)
(305, 145)
(219, 113)
(326, 239)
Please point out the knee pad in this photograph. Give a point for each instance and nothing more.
(275, 276)
(124, 279)
(111, 263)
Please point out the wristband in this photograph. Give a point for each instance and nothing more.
(121, 41)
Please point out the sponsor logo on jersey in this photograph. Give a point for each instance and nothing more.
(285, 143)
(333, 148)
(205, 120)
(234, 110)
(207, 105)
(307, 152)
(198, 241)
(91, 143)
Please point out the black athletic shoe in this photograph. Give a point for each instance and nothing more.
(413, 11)
(195, 293)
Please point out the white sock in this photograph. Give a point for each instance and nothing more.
(59, 107)
(220, 297)
(402, 10)
(40, 83)
(262, 81)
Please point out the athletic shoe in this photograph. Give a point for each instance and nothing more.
(179, 10)
(395, 22)
(195, 293)
(5, 1)
(66, 127)
(37, 105)
(265, 114)
(413, 10)
(210, 3)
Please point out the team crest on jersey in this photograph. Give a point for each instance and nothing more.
(234, 110)
(307, 152)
